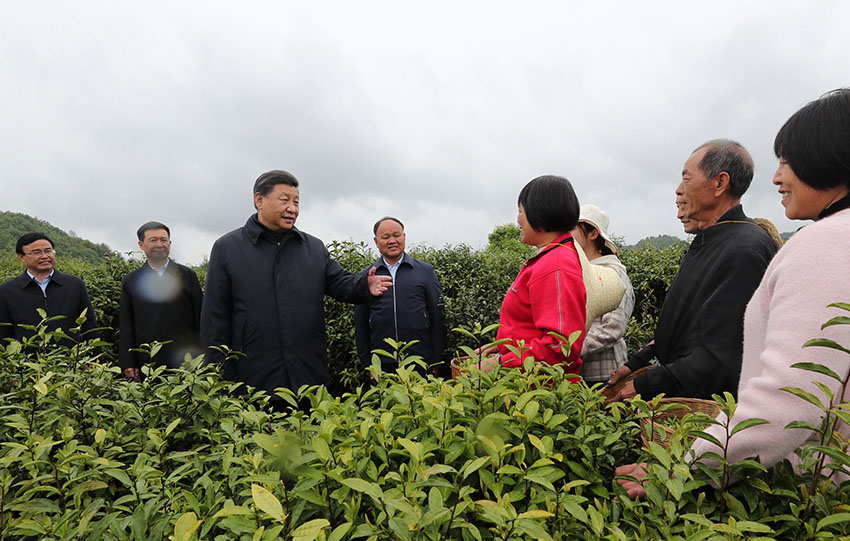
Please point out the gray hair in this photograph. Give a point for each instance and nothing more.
(726, 155)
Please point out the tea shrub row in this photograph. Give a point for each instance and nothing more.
(474, 283)
(510, 455)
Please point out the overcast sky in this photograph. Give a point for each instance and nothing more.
(116, 113)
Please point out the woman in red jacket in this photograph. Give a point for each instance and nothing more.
(548, 295)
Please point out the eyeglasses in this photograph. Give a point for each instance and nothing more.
(38, 253)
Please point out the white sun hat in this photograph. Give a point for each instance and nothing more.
(603, 286)
(598, 218)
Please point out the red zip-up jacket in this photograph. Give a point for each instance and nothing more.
(547, 295)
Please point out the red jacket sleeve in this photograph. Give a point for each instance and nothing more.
(558, 304)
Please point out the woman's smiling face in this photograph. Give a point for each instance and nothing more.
(801, 201)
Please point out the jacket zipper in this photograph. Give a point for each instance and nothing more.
(395, 311)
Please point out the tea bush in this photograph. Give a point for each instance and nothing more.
(651, 270)
(474, 283)
(507, 455)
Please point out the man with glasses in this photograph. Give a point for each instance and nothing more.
(42, 286)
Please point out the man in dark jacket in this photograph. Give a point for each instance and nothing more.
(412, 310)
(160, 301)
(265, 291)
(42, 286)
(699, 338)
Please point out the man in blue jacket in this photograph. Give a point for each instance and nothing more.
(265, 290)
(411, 310)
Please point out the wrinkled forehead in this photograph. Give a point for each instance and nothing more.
(692, 163)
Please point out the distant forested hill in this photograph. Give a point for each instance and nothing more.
(15, 224)
(658, 241)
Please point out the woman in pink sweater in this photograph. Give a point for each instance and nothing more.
(790, 304)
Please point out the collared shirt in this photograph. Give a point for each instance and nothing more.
(393, 268)
(42, 285)
(159, 270)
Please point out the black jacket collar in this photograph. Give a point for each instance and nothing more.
(254, 230)
(24, 279)
(733, 215)
(168, 268)
(405, 259)
(841, 204)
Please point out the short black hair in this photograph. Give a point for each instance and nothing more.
(396, 220)
(550, 204)
(815, 141)
(729, 156)
(29, 238)
(599, 241)
(265, 183)
(149, 227)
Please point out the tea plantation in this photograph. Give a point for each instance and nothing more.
(507, 455)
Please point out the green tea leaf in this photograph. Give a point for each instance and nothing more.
(339, 532)
(747, 423)
(309, 531)
(266, 501)
(185, 526)
(825, 343)
(805, 395)
(836, 518)
(366, 487)
(817, 368)
(232, 510)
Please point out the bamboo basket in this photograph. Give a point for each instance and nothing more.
(660, 433)
(457, 371)
(610, 391)
(457, 365)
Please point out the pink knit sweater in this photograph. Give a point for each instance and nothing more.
(786, 310)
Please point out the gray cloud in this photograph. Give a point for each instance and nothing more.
(436, 112)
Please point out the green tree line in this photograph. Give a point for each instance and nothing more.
(474, 283)
(15, 224)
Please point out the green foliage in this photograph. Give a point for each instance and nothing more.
(507, 238)
(15, 224)
(474, 283)
(510, 454)
(650, 270)
(103, 282)
(659, 242)
(86, 455)
(339, 320)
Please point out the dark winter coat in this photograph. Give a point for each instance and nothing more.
(699, 337)
(65, 295)
(160, 308)
(411, 309)
(265, 298)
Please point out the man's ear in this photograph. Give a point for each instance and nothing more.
(20, 257)
(722, 183)
(258, 197)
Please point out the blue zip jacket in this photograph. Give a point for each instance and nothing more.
(412, 309)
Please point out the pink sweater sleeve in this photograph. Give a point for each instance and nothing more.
(788, 309)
